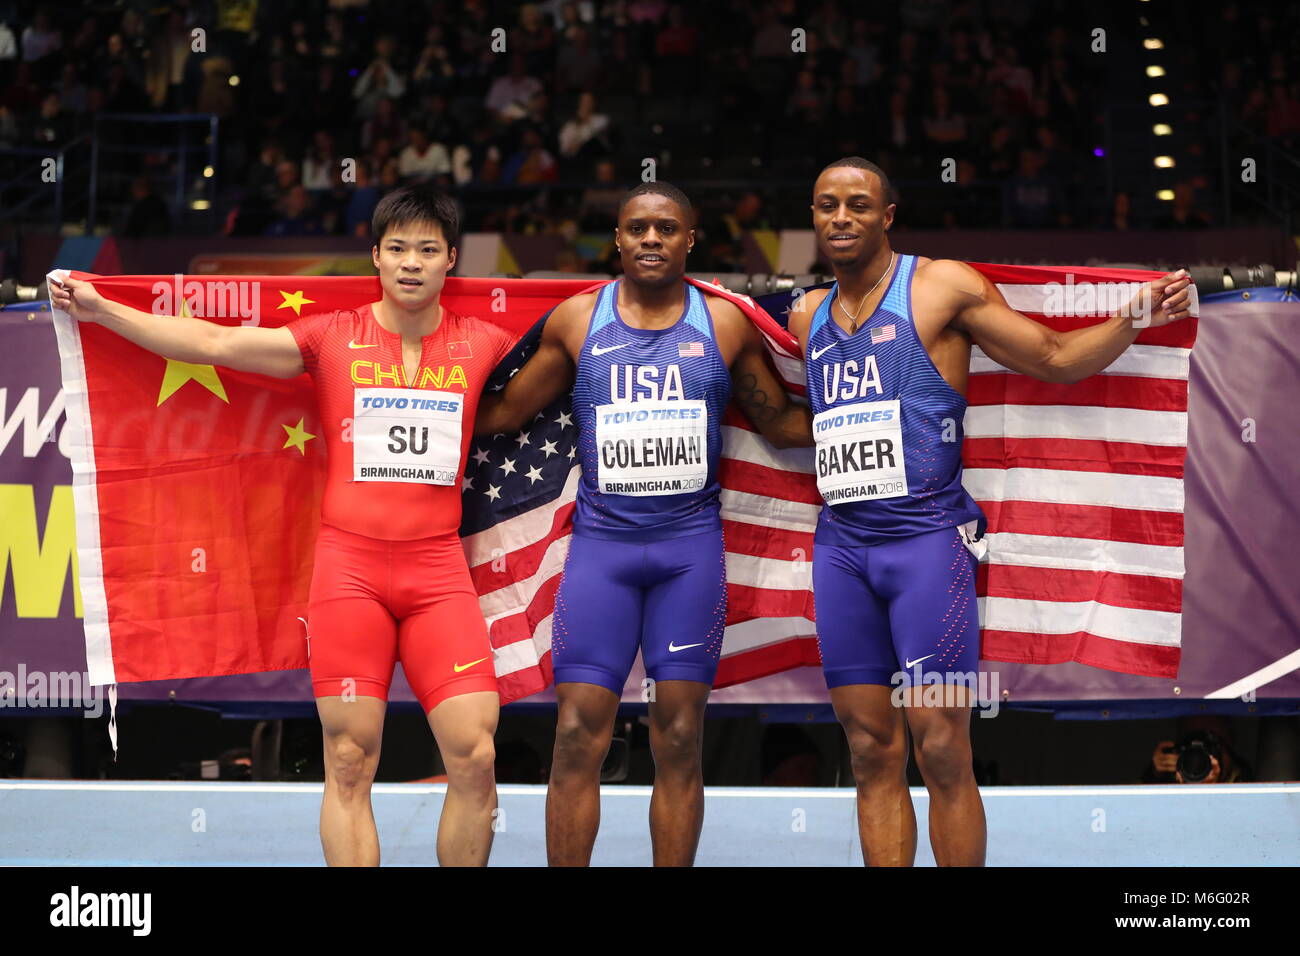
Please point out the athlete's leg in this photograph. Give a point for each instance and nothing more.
(941, 737)
(352, 728)
(676, 741)
(935, 621)
(464, 727)
(447, 657)
(351, 651)
(681, 642)
(877, 737)
(583, 728)
(858, 660)
(594, 636)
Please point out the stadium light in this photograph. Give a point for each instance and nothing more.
(234, 80)
(1165, 162)
(1165, 195)
(1158, 99)
(200, 204)
(1155, 70)
(207, 172)
(1162, 129)
(1153, 43)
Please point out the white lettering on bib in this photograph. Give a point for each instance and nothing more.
(860, 452)
(406, 434)
(652, 448)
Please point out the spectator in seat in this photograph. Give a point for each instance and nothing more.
(585, 128)
(1182, 212)
(422, 159)
(1031, 199)
(379, 81)
(532, 164)
(148, 216)
(509, 95)
(578, 65)
(296, 218)
(321, 166)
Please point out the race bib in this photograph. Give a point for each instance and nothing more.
(652, 448)
(406, 434)
(860, 452)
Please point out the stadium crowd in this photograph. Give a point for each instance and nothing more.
(538, 115)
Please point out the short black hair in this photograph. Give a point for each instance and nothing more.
(418, 203)
(857, 162)
(659, 189)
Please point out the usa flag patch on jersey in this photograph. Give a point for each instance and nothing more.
(690, 349)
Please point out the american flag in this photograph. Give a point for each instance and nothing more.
(690, 350)
(1082, 486)
(883, 333)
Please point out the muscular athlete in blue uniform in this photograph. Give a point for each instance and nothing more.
(652, 362)
(887, 352)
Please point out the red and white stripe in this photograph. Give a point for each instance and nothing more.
(1083, 488)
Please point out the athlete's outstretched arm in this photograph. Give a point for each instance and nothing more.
(762, 397)
(271, 352)
(546, 376)
(1023, 345)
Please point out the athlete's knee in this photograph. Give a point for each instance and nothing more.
(351, 765)
(943, 755)
(472, 767)
(578, 745)
(676, 743)
(876, 750)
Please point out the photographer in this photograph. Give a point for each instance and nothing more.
(1203, 754)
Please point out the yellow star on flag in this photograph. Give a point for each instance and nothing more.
(178, 373)
(294, 300)
(298, 436)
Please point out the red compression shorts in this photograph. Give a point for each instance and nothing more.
(376, 602)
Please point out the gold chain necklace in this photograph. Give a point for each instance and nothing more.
(853, 317)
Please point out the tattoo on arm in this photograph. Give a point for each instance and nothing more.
(754, 400)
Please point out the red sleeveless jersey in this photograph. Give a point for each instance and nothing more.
(351, 358)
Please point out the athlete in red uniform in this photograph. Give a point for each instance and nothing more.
(398, 383)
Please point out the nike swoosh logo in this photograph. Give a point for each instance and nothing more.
(673, 648)
(597, 350)
(818, 353)
(353, 345)
(911, 664)
(465, 667)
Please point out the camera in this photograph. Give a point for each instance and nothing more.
(1194, 753)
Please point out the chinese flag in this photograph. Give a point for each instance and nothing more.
(198, 488)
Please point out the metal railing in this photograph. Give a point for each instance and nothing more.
(23, 172)
(205, 141)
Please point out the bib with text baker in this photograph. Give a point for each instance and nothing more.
(888, 426)
(860, 452)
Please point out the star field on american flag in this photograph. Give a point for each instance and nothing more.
(506, 475)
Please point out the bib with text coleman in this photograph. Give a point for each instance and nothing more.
(406, 434)
(652, 447)
(648, 404)
(860, 452)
